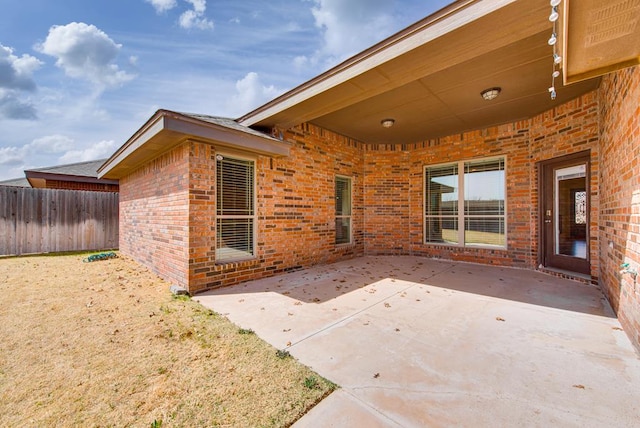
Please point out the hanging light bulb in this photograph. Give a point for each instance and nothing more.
(557, 59)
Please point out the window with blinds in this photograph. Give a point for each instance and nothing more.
(235, 209)
(343, 210)
(465, 203)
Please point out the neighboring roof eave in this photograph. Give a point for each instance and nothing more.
(34, 174)
(166, 129)
(430, 28)
(15, 182)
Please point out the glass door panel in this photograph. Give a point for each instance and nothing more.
(570, 225)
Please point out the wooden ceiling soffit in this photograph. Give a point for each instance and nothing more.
(463, 32)
(599, 37)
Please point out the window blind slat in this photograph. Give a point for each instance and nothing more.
(482, 194)
(235, 209)
(343, 210)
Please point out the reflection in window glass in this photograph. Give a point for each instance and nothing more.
(441, 204)
(581, 207)
(481, 194)
(484, 206)
(343, 210)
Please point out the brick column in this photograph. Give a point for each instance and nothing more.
(202, 205)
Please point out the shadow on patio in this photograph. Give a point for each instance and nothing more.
(423, 342)
(322, 283)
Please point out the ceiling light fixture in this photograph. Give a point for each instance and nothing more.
(554, 14)
(554, 3)
(491, 93)
(552, 40)
(387, 123)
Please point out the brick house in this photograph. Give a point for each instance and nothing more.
(73, 176)
(445, 140)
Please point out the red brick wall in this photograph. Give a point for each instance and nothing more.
(202, 209)
(75, 185)
(168, 206)
(295, 209)
(567, 129)
(394, 183)
(296, 198)
(154, 215)
(388, 200)
(620, 194)
(167, 213)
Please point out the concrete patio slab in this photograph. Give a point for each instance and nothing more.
(418, 342)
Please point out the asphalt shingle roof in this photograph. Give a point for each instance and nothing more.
(80, 169)
(227, 123)
(16, 182)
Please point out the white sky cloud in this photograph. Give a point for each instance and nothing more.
(17, 72)
(63, 148)
(162, 5)
(49, 144)
(85, 52)
(246, 61)
(10, 156)
(199, 6)
(16, 77)
(251, 93)
(12, 107)
(347, 28)
(101, 149)
(194, 18)
(190, 18)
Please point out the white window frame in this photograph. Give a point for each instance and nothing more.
(460, 216)
(350, 216)
(222, 258)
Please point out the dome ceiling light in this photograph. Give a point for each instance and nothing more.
(491, 93)
(387, 123)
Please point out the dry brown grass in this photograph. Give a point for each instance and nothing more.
(106, 344)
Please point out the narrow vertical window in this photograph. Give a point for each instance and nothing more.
(343, 210)
(235, 211)
(441, 204)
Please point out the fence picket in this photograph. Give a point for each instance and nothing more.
(51, 220)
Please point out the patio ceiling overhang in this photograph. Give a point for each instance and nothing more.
(600, 37)
(428, 78)
(167, 129)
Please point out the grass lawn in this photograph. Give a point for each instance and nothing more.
(106, 344)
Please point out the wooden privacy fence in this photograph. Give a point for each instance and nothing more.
(49, 220)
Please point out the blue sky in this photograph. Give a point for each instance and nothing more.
(79, 77)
